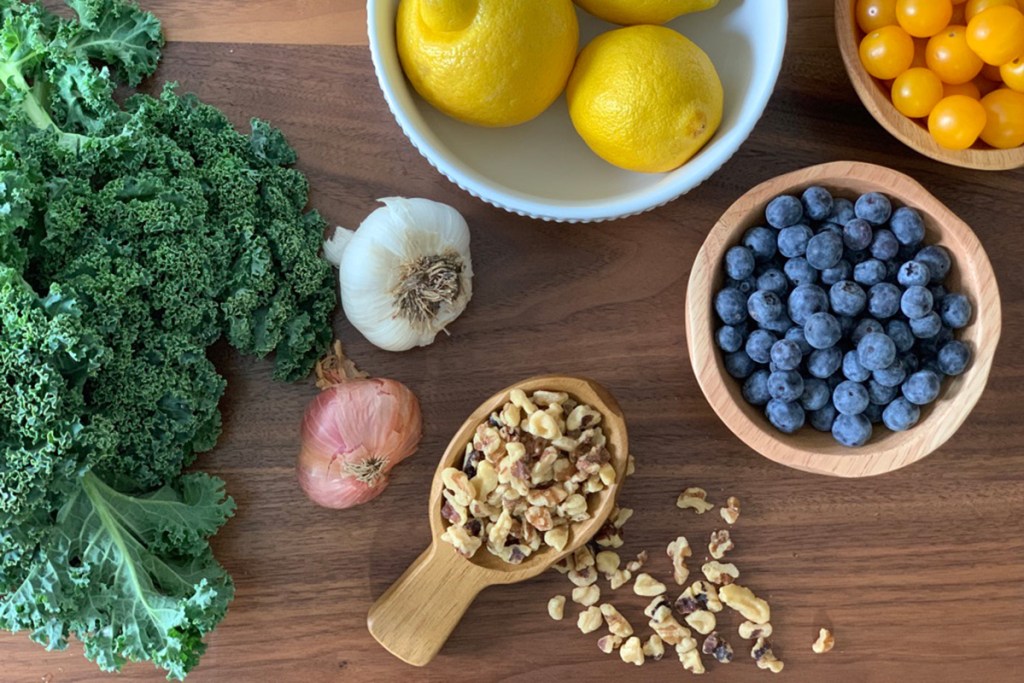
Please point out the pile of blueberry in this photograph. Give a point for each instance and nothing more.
(837, 315)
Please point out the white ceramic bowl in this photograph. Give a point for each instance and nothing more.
(543, 169)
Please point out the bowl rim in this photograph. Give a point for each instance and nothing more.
(633, 204)
(895, 450)
(904, 129)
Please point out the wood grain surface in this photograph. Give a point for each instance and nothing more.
(919, 572)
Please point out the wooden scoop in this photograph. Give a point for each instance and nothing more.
(415, 616)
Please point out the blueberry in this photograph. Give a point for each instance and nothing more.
(786, 385)
(901, 415)
(746, 287)
(891, 376)
(816, 394)
(938, 262)
(884, 246)
(865, 327)
(739, 263)
(773, 280)
(755, 389)
(869, 272)
(850, 398)
(764, 306)
(926, 326)
(901, 335)
(779, 325)
(873, 207)
(876, 351)
(786, 354)
(841, 271)
(739, 364)
(953, 359)
(817, 203)
(761, 243)
(804, 301)
(825, 250)
(830, 227)
(884, 300)
(787, 417)
(851, 430)
(881, 395)
(873, 413)
(853, 370)
(822, 330)
(784, 211)
(842, 211)
(916, 302)
(729, 338)
(800, 272)
(823, 418)
(922, 387)
(955, 310)
(907, 226)
(847, 298)
(793, 240)
(857, 234)
(823, 363)
(759, 346)
(913, 273)
(796, 334)
(731, 306)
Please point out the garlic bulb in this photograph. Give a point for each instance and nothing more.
(406, 273)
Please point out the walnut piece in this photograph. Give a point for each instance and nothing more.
(744, 601)
(647, 586)
(825, 642)
(617, 624)
(715, 646)
(697, 596)
(632, 652)
(702, 621)
(678, 551)
(720, 574)
(720, 543)
(654, 648)
(765, 658)
(664, 623)
(731, 512)
(608, 644)
(589, 620)
(691, 658)
(638, 563)
(556, 607)
(620, 578)
(695, 499)
(586, 595)
(608, 562)
(583, 577)
(751, 631)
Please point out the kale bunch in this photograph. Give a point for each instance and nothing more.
(132, 237)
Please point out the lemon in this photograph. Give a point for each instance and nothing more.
(488, 62)
(645, 98)
(629, 12)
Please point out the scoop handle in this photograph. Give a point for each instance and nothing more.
(415, 616)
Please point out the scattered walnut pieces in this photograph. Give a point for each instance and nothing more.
(586, 595)
(647, 586)
(632, 652)
(702, 621)
(720, 574)
(825, 642)
(690, 657)
(744, 601)
(620, 578)
(556, 607)
(765, 658)
(678, 551)
(617, 624)
(654, 648)
(638, 563)
(695, 499)
(751, 631)
(664, 623)
(590, 620)
(620, 516)
(731, 512)
(715, 646)
(608, 644)
(720, 543)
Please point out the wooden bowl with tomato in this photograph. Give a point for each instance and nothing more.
(951, 56)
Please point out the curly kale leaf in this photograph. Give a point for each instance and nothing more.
(116, 33)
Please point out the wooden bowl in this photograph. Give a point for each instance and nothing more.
(876, 98)
(415, 616)
(808, 449)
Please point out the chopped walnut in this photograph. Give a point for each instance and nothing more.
(551, 398)
(765, 658)
(620, 578)
(461, 540)
(607, 562)
(647, 586)
(731, 512)
(457, 482)
(720, 543)
(702, 621)
(635, 565)
(608, 644)
(699, 595)
(825, 642)
(556, 607)
(719, 573)
(586, 595)
(664, 623)
(589, 620)
(557, 538)
(632, 652)
(751, 631)
(678, 551)
(583, 557)
(617, 624)
(744, 601)
(654, 648)
(583, 577)
(715, 646)
(695, 499)
(582, 417)
(630, 465)
(620, 516)
(691, 659)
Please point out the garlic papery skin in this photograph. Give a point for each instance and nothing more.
(406, 273)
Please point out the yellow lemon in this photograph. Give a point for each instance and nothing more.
(488, 62)
(645, 98)
(629, 12)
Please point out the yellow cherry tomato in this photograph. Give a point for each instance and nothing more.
(887, 52)
(997, 34)
(1004, 111)
(874, 14)
(924, 18)
(957, 121)
(950, 58)
(1012, 74)
(916, 92)
(966, 89)
(974, 7)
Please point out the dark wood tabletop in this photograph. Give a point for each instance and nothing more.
(920, 573)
